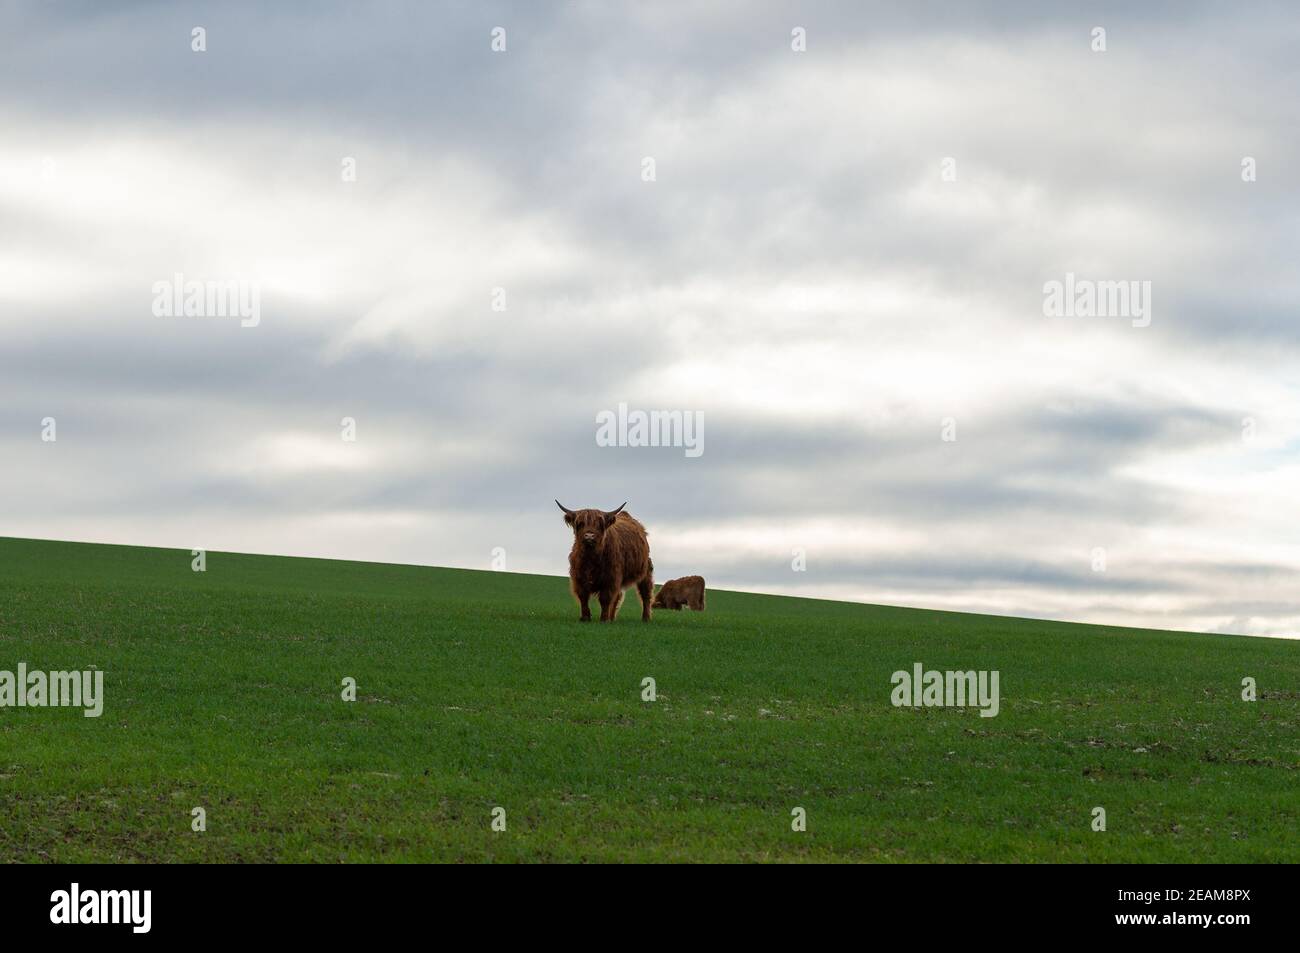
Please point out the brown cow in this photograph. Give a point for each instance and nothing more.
(610, 553)
(686, 591)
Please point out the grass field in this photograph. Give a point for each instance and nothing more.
(477, 690)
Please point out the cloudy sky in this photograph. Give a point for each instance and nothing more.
(805, 271)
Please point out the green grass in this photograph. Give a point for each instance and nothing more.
(480, 689)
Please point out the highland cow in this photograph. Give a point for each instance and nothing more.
(610, 553)
(686, 591)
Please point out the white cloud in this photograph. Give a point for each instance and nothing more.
(799, 272)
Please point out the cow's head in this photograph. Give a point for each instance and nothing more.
(589, 525)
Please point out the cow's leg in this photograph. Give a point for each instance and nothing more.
(645, 589)
(606, 602)
(586, 609)
(618, 604)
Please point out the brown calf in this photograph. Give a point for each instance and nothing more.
(610, 553)
(687, 591)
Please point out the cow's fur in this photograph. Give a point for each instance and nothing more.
(610, 553)
(686, 591)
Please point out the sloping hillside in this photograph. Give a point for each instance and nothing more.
(479, 690)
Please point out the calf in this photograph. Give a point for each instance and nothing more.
(610, 553)
(686, 591)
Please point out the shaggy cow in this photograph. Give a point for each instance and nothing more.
(610, 553)
(675, 593)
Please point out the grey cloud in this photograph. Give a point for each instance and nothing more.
(770, 172)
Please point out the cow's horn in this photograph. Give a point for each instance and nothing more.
(566, 509)
(617, 511)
